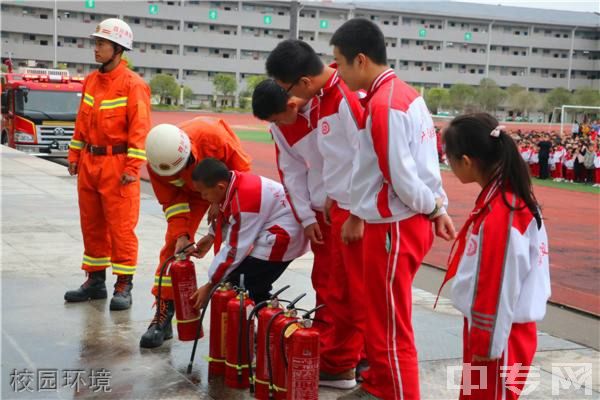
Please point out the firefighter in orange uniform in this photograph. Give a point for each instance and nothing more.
(106, 152)
(173, 153)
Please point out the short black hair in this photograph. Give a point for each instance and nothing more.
(268, 99)
(211, 171)
(292, 59)
(360, 35)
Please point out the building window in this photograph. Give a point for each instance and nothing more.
(226, 55)
(44, 42)
(170, 27)
(43, 16)
(137, 21)
(481, 71)
(168, 51)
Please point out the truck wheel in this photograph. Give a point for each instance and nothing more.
(4, 138)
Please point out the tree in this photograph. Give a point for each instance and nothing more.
(164, 86)
(225, 84)
(62, 66)
(188, 94)
(586, 97)
(436, 98)
(524, 102)
(126, 57)
(557, 97)
(253, 81)
(4, 68)
(490, 95)
(461, 96)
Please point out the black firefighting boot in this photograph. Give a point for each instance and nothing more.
(93, 288)
(122, 295)
(160, 328)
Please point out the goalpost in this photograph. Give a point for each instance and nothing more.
(564, 107)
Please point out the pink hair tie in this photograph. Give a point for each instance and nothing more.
(497, 130)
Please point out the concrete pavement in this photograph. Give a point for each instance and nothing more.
(92, 352)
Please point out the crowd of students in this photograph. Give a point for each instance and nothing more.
(549, 155)
(561, 158)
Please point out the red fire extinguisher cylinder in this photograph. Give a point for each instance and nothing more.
(237, 354)
(302, 349)
(183, 277)
(218, 329)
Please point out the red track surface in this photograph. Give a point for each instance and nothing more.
(572, 220)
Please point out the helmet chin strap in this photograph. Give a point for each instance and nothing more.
(114, 56)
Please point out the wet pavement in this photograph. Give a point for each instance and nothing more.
(54, 350)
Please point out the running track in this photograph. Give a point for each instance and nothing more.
(572, 220)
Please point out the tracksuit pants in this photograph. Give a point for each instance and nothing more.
(505, 377)
(343, 342)
(392, 254)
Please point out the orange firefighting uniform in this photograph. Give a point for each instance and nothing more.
(184, 208)
(114, 114)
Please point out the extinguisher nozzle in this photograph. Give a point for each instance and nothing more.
(189, 368)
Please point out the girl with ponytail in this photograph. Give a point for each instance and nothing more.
(499, 260)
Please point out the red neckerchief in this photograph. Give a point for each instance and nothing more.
(458, 248)
(376, 84)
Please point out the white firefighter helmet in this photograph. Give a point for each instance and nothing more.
(115, 30)
(168, 149)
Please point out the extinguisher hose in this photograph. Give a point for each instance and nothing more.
(305, 316)
(289, 307)
(241, 332)
(268, 348)
(199, 327)
(163, 268)
(253, 314)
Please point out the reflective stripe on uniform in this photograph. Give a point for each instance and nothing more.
(124, 269)
(177, 182)
(176, 209)
(136, 153)
(166, 281)
(88, 99)
(76, 144)
(113, 103)
(96, 262)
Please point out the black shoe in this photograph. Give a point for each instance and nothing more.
(362, 366)
(122, 295)
(93, 288)
(160, 328)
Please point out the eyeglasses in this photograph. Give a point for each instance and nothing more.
(292, 85)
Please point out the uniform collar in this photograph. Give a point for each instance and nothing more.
(331, 82)
(233, 183)
(115, 72)
(376, 84)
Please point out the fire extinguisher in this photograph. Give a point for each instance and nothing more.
(183, 276)
(300, 347)
(264, 310)
(275, 362)
(238, 356)
(218, 329)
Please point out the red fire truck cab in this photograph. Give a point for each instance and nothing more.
(39, 107)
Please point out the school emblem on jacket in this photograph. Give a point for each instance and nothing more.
(325, 128)
(543, 253)
(471, 247)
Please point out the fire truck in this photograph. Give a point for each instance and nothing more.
(39, 107)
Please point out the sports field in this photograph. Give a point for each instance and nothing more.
(572, 214)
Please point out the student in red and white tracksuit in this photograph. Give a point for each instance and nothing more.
(300, 166)
(499, 261)
(396, 190)
(339, 115)
(558, 157)
(597, 168)
(534, 163)
(569, 164)
(263, 236)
